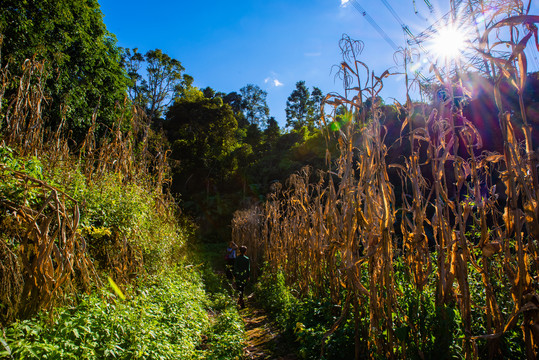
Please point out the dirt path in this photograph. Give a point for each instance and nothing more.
(264, 339)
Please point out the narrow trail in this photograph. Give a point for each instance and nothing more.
(264, 338)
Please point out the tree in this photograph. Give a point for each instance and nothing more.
(272, 131)
(203, 136)
(82, 58)
(161, 85)
(234, 100)
(203, 133)
(316, 102)
(186, 90)
(164, 78)
(297, 106)
(133, 61)
(208, 92)
(253, 136)
(254, 104)
(302, 107)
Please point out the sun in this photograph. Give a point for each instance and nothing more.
(449, 42)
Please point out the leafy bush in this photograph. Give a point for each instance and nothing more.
(313, 318)
(306, 320)
(113, 209)
(226, 336)
(166, 317)
(10, 187)
(273, 294)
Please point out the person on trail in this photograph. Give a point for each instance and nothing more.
(230, 258)
(242, 271)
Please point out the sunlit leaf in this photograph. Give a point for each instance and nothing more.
(116, 288)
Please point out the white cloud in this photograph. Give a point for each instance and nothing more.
(273, 80)
(344, 2)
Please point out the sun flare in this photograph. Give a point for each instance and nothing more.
(449, 42)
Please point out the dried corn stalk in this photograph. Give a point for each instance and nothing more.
(50, 254)
(462, 211)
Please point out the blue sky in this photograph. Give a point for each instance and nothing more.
(273, 44)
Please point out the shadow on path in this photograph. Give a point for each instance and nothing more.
(264, 338)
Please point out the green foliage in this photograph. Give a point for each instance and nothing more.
(310, 151)
(165, 317)
(303, 107)
(423, 330)
(111, 208)
(235, 101)
(313, 319)
(112, 204)
(282, 155)
(162, 83)
(228, 152)
(511, 343)
(129, 209)
(272, 131)
(12, 188)
(273, 294)
(306, 320)
(202, 132)
(162, 320)
(226, 337)
(82, 58)
(253, 104)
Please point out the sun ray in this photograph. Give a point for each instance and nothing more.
(449, 42)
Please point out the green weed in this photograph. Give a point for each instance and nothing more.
(165, 317)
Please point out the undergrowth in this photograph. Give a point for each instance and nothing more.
(422, 329)
(169, 316)
(112, 208)
(172, 310)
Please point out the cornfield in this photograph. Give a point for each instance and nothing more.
(458, 214)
